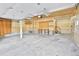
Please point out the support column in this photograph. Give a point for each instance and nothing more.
(21, 32)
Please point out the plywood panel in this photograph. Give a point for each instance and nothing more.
(36, 25)
(1, 28)
(5, 27)
(52, 25)
(15, 27)
(43, 25)
(64, 26)
(27, 26)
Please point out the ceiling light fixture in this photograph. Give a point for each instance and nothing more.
(39, 16)
(38, 3)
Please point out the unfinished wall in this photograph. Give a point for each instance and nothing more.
(52, 25)
(15, 27)
(1, 28)
(5, 26)
(35, 26)
(43, 25)
(64, 24)
(27, 25)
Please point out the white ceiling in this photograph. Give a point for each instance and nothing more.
(22, 10)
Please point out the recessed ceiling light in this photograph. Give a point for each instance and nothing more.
(38, 3)
(44, 9)
(39, 16)
(10, 7)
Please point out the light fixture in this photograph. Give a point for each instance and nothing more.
(39, 16)
(38, 3)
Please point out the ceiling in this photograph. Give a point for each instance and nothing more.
(23, 10)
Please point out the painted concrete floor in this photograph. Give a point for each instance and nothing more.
(38, 45)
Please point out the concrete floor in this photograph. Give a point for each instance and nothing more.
(38, 45)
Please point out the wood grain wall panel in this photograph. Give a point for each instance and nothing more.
(15, 27)
(9, 26)
(1, 28)
(43, 25)
(64, 26)
(52, 25)
(5, 27)
(27, 26)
